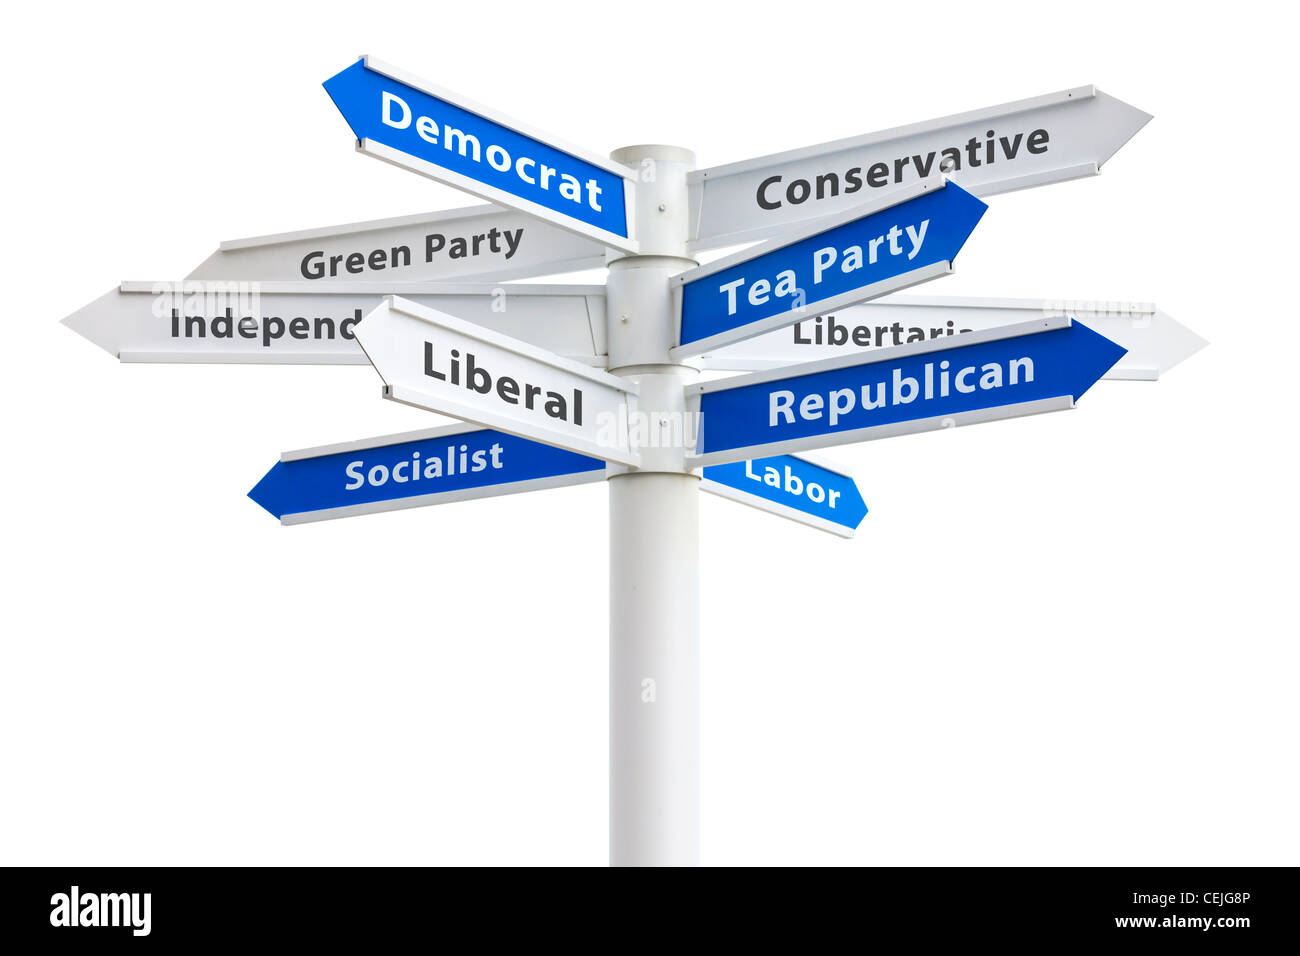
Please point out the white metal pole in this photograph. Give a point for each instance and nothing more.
(654, 527)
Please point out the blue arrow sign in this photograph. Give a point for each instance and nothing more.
(430, 467)
(868, 252)
(1022, 369)
(793, 487)
(438, 134)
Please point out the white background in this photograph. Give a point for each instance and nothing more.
(1067, 639)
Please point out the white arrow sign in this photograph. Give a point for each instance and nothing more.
(1155, 342)
(435, 361)
(481, 242)
(297, 323)
(1047, 139)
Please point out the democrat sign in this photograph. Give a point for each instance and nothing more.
(411, 470)
(1021, 369)
(418, 126)
(911, 236)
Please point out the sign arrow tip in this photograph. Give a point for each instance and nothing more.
(1118, 123)
(95, 321)
(345, 90)
(1179, 343)
(968, 211)
(1093, 355)
(859, 505)
(271, 490)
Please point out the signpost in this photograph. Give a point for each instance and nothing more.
(430, 467)
(296, 323)
(809, 491)
(848, 221)
(1039, 366)
(431, 131)
(910, 237)
(433, 360)
(1155, 342)
(481, 242)
(1047, 139)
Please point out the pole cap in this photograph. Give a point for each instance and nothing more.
(667, 154)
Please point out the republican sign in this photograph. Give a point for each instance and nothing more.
(413, 124)
(1015, 370)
